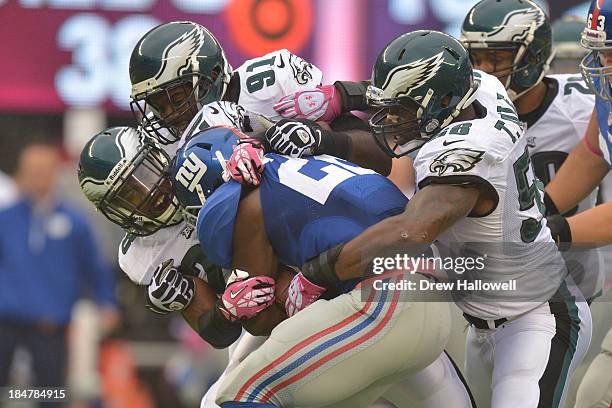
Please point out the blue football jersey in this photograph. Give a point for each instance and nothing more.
(312, 204)
(604, 120)
(309, 205)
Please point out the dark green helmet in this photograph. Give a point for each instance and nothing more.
(519, 26)
(422, 80)
(175, 69)
(124, 174)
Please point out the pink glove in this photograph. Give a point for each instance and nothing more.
(245, 298)
(246, 163)
(301, 293)
(323, 103)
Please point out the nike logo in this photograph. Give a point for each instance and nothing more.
(234, 294)
(282, 62)
(445, 143)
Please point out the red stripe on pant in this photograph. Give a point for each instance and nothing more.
(335, 353)
(303, 344)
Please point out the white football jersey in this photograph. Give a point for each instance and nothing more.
(264, 80)
(220, 113)
(139, 256)
(552, 133)
(513, 240)
(558, 126)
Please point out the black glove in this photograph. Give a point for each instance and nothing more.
(295, 137)
(549, 204)
(560, 231)
(169, 290)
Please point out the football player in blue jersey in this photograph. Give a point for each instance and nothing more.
(590, 161)
(303, 207)
(583, 170)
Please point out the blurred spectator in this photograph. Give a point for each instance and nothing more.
(47, 257)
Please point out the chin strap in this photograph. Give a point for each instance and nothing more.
(466, 101)
(195, 78)
(227, 74)
(520, 53)
(435, 126)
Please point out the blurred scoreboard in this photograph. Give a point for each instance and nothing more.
(61, 53)
(76, 52)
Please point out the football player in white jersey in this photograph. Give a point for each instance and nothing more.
(122, 171)
(557, 111)
(178, 67)
(477, 194)
(587, 166)
(512, 40)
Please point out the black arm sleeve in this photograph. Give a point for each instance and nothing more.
(335, 144)
(216, 330)
(353, 95)
(348, 121)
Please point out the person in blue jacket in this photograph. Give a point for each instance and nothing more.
(48, 258)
